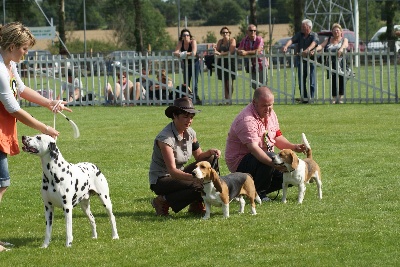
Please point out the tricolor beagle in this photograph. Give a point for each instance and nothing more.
(299, 172)
(219, 191)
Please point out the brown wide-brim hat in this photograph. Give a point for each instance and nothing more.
(184, 104)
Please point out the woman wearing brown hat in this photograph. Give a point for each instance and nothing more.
(173, 147)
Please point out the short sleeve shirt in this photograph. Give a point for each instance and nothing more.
(303, 42)
(248, 45)
(247, 128)
(181, 146)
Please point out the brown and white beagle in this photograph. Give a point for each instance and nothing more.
(221, 190)
(299, 172)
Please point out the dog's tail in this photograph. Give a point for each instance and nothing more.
(308, 147)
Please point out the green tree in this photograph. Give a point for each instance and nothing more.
(229, 13)
(210, 38)
(390, 8)
(123, 22)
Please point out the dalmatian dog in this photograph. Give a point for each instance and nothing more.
(64, 185)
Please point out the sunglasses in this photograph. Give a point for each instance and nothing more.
(252, 30)
(185, 34)
(224, 32)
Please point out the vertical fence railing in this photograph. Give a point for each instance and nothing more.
(375, 80)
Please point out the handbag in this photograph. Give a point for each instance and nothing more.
(345, 71)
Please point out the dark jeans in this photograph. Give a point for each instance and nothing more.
(303, 79)
(266, 178)
(187, 78)
(179, 193)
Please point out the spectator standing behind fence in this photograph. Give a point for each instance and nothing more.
(173, 147)
(254, 45)
(186, 49)
(251, 140)
(73, 89)
(223, 48)
(336, 43)
(123, 85)
(306, 41)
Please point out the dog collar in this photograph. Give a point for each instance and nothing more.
(207, 182)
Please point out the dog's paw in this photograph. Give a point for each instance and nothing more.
(205, 217)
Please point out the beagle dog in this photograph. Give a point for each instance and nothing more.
(219, 191)
(299, 171)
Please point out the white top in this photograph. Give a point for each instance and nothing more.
(10, 88)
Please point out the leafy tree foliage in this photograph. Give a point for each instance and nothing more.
(229, 13)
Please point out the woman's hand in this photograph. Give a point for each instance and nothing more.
(51, 131)
(58, 105)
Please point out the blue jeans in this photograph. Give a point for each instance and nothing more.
(4, 174)
(303, 80)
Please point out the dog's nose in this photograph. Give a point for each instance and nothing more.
(23, 137)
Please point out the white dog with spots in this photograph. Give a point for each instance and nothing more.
(64, 185)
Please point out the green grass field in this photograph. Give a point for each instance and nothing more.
(355, 224)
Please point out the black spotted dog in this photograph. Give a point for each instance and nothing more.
(64, 185)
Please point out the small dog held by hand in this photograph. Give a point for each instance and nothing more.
(300, 172)
(219, 191)
(64, 185)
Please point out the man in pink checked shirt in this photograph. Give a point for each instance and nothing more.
(253, 45)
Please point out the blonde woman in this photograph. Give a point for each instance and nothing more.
(224, 47)
(15, 40)
(336, 43)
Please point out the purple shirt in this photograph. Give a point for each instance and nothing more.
(247, 128)
(248, 45)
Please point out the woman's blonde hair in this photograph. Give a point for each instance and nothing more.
(336, 25)
(14, 33)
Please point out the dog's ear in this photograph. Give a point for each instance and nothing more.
(215, 179)
(53, 150)
(295, 160)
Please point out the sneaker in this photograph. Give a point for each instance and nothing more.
(197, 207)
(265, 199)
(161, 206)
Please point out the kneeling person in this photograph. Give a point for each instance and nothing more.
(251, 140)
(172, 149)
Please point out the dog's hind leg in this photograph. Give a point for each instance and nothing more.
(49, 214)
(105, 199)
(85, 206)
(318, 181)
(253, 206)
(242, 203)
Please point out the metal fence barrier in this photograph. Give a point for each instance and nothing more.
(374, 78)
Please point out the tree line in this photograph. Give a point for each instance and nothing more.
(140, 24)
